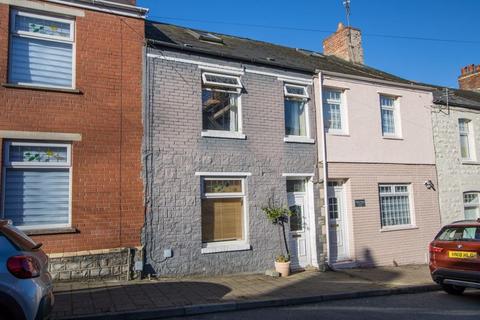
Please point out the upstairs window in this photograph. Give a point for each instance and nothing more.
(466, 139)
(221, 102)
(471, 205)
(334, 117)
(296, 119)
(41, 50)
(389, 114)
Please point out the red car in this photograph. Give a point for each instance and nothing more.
(455, 256)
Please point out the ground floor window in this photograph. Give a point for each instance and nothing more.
(223, 201)
(471, 205)
(36, 191)
(395, 204)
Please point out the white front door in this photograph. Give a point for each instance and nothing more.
(299, 244)
(337, 222)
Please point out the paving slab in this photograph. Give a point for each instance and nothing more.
(163, 297)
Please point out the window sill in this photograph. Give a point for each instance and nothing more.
(225, 247)
(298, 139)
(35, 232)
(392, 138)
(470, 162)
(223, 134)
(399, 228)
(341, 134)
(40, 88)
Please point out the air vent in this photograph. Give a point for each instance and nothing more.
(206, 36)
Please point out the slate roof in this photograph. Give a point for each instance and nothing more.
(456, 97)
(248, 50)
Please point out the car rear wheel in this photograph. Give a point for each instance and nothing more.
(451, 289)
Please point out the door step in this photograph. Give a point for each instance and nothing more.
(344, 264)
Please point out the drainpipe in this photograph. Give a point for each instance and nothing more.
(322, 154)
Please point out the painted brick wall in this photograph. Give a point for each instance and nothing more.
(454, 176)
(107, 185)
(368, 244)
(180, 151)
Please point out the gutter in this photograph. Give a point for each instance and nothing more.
(106, 6)
(392, 83)
(317, 84)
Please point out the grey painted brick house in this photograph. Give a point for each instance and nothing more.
(224, 138)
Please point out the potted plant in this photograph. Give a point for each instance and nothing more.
(279, 216)
(282, 265)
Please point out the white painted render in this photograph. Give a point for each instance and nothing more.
(364, 142)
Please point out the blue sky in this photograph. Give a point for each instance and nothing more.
(436, 62)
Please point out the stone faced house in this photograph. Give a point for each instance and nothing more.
(456, 127)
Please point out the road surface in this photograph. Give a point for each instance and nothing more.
(432, 305)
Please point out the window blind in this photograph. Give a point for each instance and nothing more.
(37, 196)
(42, 62)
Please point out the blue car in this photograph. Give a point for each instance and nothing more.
(26, 290)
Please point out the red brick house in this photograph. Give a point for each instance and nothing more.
(71, 130)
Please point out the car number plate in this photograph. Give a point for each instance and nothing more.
(462, 254)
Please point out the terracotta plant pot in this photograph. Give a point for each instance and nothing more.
(283, 268)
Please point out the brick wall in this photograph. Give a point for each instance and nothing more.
(180, 151)
(345, 43)
(454, 176)
(368, 244)
(107, 205)
(469, 78)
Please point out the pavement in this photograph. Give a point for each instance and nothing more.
(420, 306)
(170, 297)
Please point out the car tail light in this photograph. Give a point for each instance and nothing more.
(434, 249)
(23, 267)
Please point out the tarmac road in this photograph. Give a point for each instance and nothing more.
(432, 305)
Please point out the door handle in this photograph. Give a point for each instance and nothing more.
(296, 236)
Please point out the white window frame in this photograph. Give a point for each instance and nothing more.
(471, 140)
(294, 138)
(221, 84)
(32, 35)
(396, 115)
(343, 111)
(7, 164)
(215, 86)
(409, 193)
(235, 245)
(292, 95)
(475, 205)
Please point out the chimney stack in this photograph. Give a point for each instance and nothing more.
(469, 78)
(345, 43)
